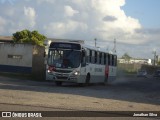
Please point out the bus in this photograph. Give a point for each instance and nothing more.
(74, 61)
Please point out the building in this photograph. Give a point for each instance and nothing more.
(135, 60)
(6, 39)
(22, 58)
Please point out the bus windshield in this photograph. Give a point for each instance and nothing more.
(64, 58)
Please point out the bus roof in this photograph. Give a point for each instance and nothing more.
(65, 40)
(82, 42)
(98, 49)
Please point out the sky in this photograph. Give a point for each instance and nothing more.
(133, 23)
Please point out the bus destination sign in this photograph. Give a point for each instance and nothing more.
(65, 45)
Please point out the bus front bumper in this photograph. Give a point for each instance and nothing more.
(62, 77)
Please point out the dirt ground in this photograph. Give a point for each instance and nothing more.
(124, 94)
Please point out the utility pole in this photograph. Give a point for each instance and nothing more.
(154, 61)
(114, 49)
(95, 42)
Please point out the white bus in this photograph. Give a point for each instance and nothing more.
(76, 62)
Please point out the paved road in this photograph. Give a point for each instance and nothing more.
(124, 94)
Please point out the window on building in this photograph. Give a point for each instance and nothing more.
(15, 56)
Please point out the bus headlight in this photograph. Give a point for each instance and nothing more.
(51, 69)
(77, 73)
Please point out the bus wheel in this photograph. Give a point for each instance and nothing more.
(58, 83)
(87, 80)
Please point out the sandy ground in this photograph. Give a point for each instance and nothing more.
(95, 97)
(119, 96)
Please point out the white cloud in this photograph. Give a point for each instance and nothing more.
(63, 28)
(42, 1)
(2, 25)
(94, 12)
(9, 12)
(121, 28)
(77, 19)
(73, 15)
(46, 1)
(30, 16)
(22, 18)
(69, 11)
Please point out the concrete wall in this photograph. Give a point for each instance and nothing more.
(22, 58)
(38, 66)
(16, 57)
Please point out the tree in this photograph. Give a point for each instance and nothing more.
(26, 36)
(126, 57)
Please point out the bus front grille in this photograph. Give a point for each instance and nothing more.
(63, 71)
(62, 77)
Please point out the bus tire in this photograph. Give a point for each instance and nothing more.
(58, 83)
(87, 80)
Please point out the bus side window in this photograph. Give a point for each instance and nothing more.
(100, 58)
(113, 60)
(90, 56)
(95, 60)
(109, 59)
(87, 56)
(83, 58)
(105, 61)
(93, 57)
